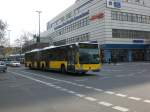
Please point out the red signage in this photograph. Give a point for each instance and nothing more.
(97, 16)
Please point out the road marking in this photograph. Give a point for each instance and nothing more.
(67, 82)
(80, 85)
(90, 99)
(80, 95)
(88, 87)
(63, 89)
(105, 104)
(122, 109)
(55, 79)
(57, 87)
(121, 95)
(147, 101)
(42, 82)
(73, 83)
(109, 92)
(134, 98)
(72, 92)
(100, 90)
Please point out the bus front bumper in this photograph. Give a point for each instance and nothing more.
(84, 71)
(97, 70)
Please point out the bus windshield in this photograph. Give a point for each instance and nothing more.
(89, 56)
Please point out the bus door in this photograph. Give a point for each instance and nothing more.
(71, 61)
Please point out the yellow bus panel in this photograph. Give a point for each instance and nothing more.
(88, 67)
(57, 64)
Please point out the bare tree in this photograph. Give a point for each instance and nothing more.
(24, 40)
(3, 27)
(3, 41)
(6, 51)
(18, 42)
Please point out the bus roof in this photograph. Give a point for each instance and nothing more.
(34, 50)
(76, 43)
(51, 47)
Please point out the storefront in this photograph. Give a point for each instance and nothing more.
(124, 53)
(147, 52)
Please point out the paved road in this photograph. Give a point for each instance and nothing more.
(123, 87)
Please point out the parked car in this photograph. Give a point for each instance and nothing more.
(15, 64)
(3, 66)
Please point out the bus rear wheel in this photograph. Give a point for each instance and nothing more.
(63, 70)
(43, 67)
(30, 66)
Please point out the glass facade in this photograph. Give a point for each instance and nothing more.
(147, 56)
(130, 17)
(133, 34)
(124, 53)
(132, 52)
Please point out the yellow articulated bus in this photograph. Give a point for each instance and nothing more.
(74, 58)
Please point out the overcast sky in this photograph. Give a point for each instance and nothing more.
(21, 16)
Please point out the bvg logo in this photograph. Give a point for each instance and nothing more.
(97, 16)
(114, 3)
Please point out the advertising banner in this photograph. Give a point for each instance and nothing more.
(114, 3)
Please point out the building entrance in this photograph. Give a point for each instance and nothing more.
(147, 56)
(138, 55)
(121, 55)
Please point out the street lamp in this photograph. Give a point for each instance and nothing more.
(38, 38)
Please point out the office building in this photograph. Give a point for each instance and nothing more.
(121, 27)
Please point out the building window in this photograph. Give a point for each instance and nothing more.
(68, 15)
(143, 19)
(140, 18)
(133, 34)
(75, 25)
(148, 19)
(129, 17)
(124, 16)
(62, 19)
(79, 38)
(114, 15)
(135, 18)
(137, 0)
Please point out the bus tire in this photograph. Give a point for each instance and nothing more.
(30, 66)
(43, 67)
(63, 70)
(83, 73)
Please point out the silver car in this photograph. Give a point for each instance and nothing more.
(3, 66)
(15, 64)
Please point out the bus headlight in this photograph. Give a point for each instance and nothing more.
(81, 66)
